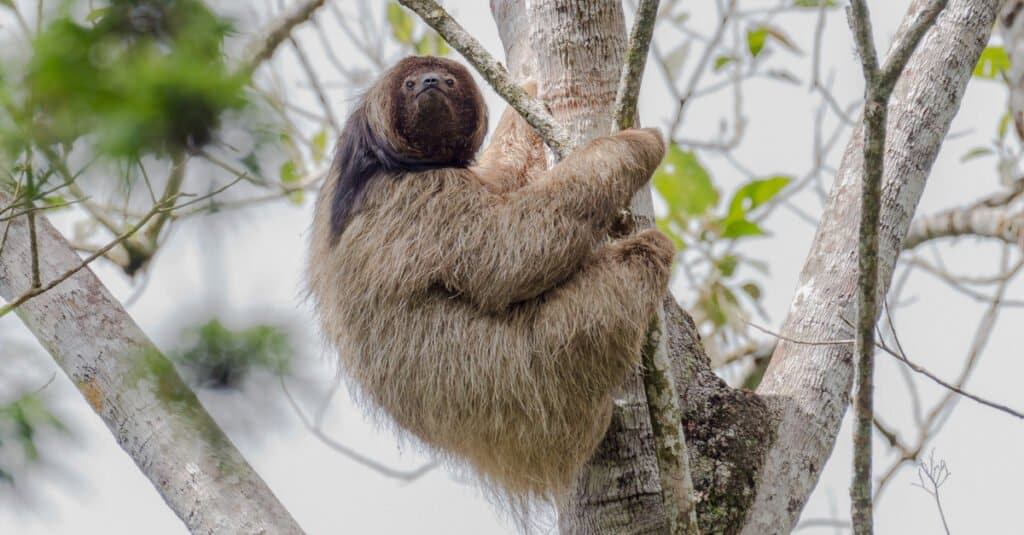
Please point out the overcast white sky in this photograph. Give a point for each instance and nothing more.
(259, 255)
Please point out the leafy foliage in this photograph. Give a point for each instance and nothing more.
(993, 62)
(145, 76)
(688, 190)
(20, 421)
(219, 357)
(403, 29)
(757, 38)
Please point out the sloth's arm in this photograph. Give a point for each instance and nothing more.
(515, 154)
(518, 245)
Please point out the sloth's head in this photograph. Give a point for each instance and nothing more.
(438, 113)
(423, 113)
(429, 112)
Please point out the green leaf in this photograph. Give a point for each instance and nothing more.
(722, 61)
(54, 200)
(252, 163)
(441, 45)
(740, 228)
(755, 40)
(665, 225)
(684, 184)
(992, 62)
(727, 265)
(319, 144)
(975, 153)
(758, 38)
(296, 197)
(425, 46)
(401, 23)
(753, 290)
(754, 194)
(97, 14)
(289, 172)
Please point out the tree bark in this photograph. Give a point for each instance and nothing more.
(808, 385)
(153, 415)
(575, 50)
(770, 446)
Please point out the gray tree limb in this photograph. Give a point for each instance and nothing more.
(555, 43)
(808, 385)
(997, 222)
(153, 415)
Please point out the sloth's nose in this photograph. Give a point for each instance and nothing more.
(431, 79)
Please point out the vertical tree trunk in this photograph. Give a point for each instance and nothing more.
(739, 447)
(575, 50)
(809, 384)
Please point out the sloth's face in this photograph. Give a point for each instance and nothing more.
(439, 110)
(431, 97)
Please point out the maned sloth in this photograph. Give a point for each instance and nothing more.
(480, 307)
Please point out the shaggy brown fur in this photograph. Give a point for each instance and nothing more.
(481, 308)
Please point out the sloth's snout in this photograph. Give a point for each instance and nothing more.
(430, 79)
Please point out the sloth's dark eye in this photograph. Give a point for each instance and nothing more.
(449, 81)
(410, 84)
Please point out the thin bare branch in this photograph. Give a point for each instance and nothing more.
(261, 47)
(376, 466)
(43, 288)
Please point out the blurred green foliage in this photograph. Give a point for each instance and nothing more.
(219, 357)
(20, 421)
(688, 190)
(403, 29)
(993, 62)
(141, 76)
(758, 37)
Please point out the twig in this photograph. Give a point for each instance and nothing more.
(951, 387)
(532, 110)
(705, 57)
(937, 474)
(268, 39)
(378, 467)
(314, 81)
(171, 190)
(903, 358)
(35, 291)
(670, 441)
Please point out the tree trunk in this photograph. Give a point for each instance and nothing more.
(575, 50)
(737, 440)
(808, 385)
(156, 419)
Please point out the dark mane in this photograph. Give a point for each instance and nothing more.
(358, 157)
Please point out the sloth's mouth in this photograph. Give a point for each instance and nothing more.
(429, 88)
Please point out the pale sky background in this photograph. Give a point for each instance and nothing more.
(259, 254)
